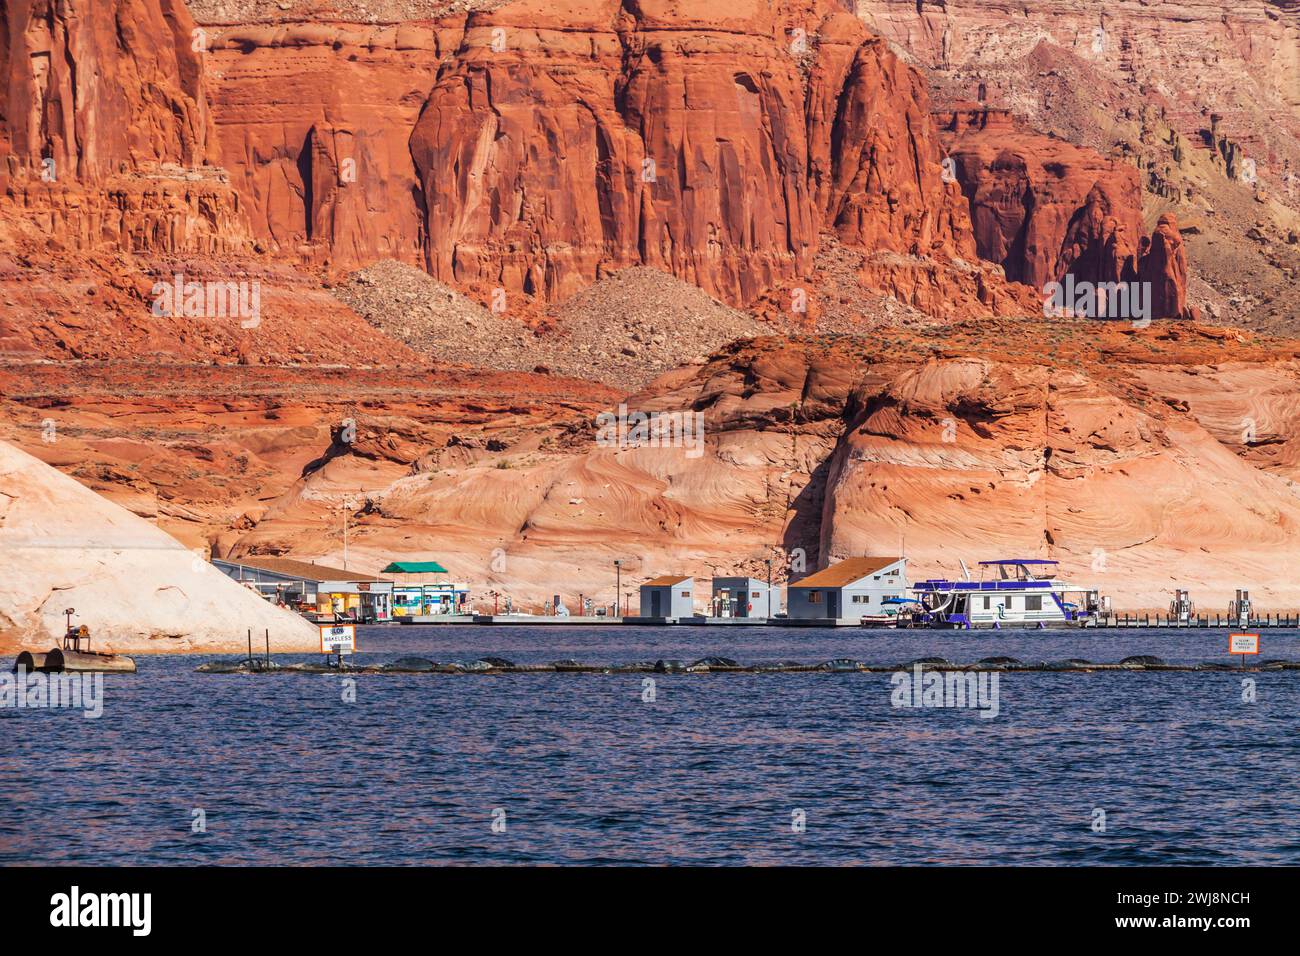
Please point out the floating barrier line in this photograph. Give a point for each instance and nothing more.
(718, 665)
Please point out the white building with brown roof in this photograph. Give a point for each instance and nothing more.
(848, 590)
(671, 595)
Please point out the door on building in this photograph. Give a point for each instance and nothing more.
(833, 604)
(654, 604)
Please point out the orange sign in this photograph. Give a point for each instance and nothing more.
(1243, 643)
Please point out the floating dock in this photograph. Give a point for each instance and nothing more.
(545, 619)
(636, 620)
(1104, 623)
(1204, 620)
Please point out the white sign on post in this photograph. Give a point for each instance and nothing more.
(1243, 643)
(338, 638)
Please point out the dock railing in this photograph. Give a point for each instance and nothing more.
(1147, 619)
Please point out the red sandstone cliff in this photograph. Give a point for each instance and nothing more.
(98, 86)
(531, 147)
(596, 135)
(1044, 208)
(106, 139)
(1201, 96)
(1162, 262)
(522, 165)
(537, 146)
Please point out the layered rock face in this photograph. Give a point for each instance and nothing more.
(530, 147)
(1045, 209)
(535, 147)
(1130, 467)
(1245, 55)
(1202, 96)
(1066, 461)
(95, 86)
(104, 125)
(315, 121)
(563, 141)
(874, 159)
(554, 145)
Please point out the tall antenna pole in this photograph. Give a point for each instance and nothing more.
(1047, 454)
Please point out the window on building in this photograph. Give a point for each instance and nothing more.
(686, 594)
(1034, 602)
(756, 594)
(814, 597)
(987, 601)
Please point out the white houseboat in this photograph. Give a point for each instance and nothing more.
(1022, 592)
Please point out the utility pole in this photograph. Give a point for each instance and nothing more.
(768, 562)
(618, 581)
(344, 507)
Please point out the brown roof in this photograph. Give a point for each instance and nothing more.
(303, 569)
(846, 572)
(667, 581)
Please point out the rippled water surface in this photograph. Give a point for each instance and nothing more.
(582, 770)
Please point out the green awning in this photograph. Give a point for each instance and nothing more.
(414, 567)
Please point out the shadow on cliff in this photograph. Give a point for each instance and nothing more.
(804, 529)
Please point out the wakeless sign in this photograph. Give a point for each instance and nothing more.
(338, 639)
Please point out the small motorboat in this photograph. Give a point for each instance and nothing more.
(895, 612)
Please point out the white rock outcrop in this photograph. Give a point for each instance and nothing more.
(135, 586)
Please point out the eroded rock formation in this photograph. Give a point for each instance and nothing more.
(1045, 209)
(1123, 466)
(1163, 264)
(535, 147)
(105, 128)
(566, 140)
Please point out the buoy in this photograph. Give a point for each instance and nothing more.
(725, 665)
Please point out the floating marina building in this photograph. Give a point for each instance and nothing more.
(849, 589)
(317, 591)
(672, 595)
(424, 588)
(744, 597)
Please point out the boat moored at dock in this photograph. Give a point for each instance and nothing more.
(1023, 592)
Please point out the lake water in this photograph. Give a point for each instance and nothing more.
(716, 769)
